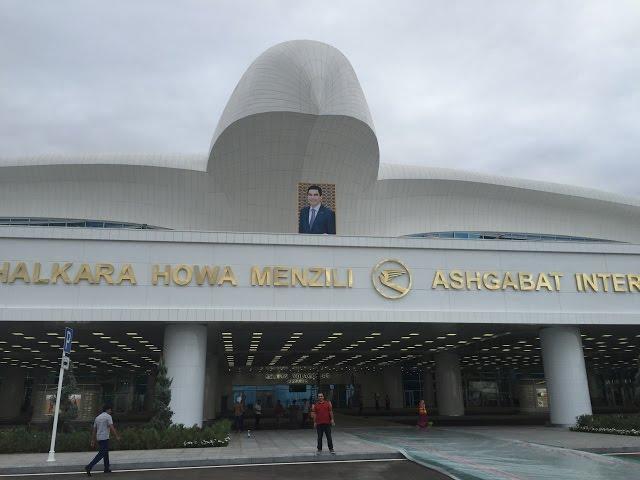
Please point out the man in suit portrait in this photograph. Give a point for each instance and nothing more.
(316, 218)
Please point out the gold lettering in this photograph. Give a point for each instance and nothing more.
(556, 279)
(104, 270)
(336, 281)
(490, 281)
(633, 280)
(316, 273)
(526, 281)
(298, 277)
(508, 282)
(260, 278)
(37, 280)
(543, 282)
(84, 273)
(4, 272)
(60, 272)
(457, 279)
(618, 283)
(280, 277)
(228, 276)
(155, 273)
(605, 280)
(182, 274)
(327, 277)
(349, 278)
(208, 273)
(21, 273)
(127, 274)
(590, 281)
(579, 285)
(440, 279)
(475, 279)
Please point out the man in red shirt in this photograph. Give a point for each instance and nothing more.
(322, 414)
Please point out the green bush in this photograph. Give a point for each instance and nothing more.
(23, 440)
(618, 424)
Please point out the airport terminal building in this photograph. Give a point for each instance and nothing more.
(477, 293)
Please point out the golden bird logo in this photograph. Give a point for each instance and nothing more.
(391, 278)
(387, 275)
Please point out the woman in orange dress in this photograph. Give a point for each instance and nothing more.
(422, 416)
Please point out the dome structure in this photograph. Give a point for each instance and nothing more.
(299, 115)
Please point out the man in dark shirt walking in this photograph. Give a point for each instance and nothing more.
(322, 414)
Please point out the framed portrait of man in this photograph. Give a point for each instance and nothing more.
(317, 208)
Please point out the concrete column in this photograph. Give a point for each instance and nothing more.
(185, 350)
(449, 384)
(392, 379)
(11, 392)
(428, 389)
(566, 375)
(212, 390)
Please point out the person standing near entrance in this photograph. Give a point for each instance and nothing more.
(422, 416)
(102, 426)
(257, 412)
(322, 414)
(305, 413)
(238, 415)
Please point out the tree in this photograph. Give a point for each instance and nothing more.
(68, 407)
(162, 398)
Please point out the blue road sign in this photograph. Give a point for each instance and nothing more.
(68, 338)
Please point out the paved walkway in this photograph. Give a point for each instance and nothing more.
(511, 452)
(264, 446)
(559, 437)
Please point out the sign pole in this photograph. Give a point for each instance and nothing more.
(52, 451)
(64, 365)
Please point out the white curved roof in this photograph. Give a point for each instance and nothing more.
(196, 162)
(301, 76)
(390, 171)
(299, 115)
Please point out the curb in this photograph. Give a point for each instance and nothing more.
(72, 468)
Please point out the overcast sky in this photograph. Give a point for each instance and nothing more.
(547, 90)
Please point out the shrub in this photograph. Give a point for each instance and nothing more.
(24, 440)
(162, 398)
(617, 424)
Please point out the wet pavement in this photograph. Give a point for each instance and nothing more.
(474, 456)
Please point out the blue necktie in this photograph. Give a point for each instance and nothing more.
(313, 217)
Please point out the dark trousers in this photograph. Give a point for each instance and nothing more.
(239, 423)
(258, 421)
(326, 429)
(103, 453)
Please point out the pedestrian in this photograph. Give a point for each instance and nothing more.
(387, 402)
(238, 415)
(305, 414)
(322, 414)
(422, 416)
(257, 412)
(294, 412)
(102, 426)
(279, 412)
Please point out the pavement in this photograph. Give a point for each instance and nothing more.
(479, 448)
(264, 446)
